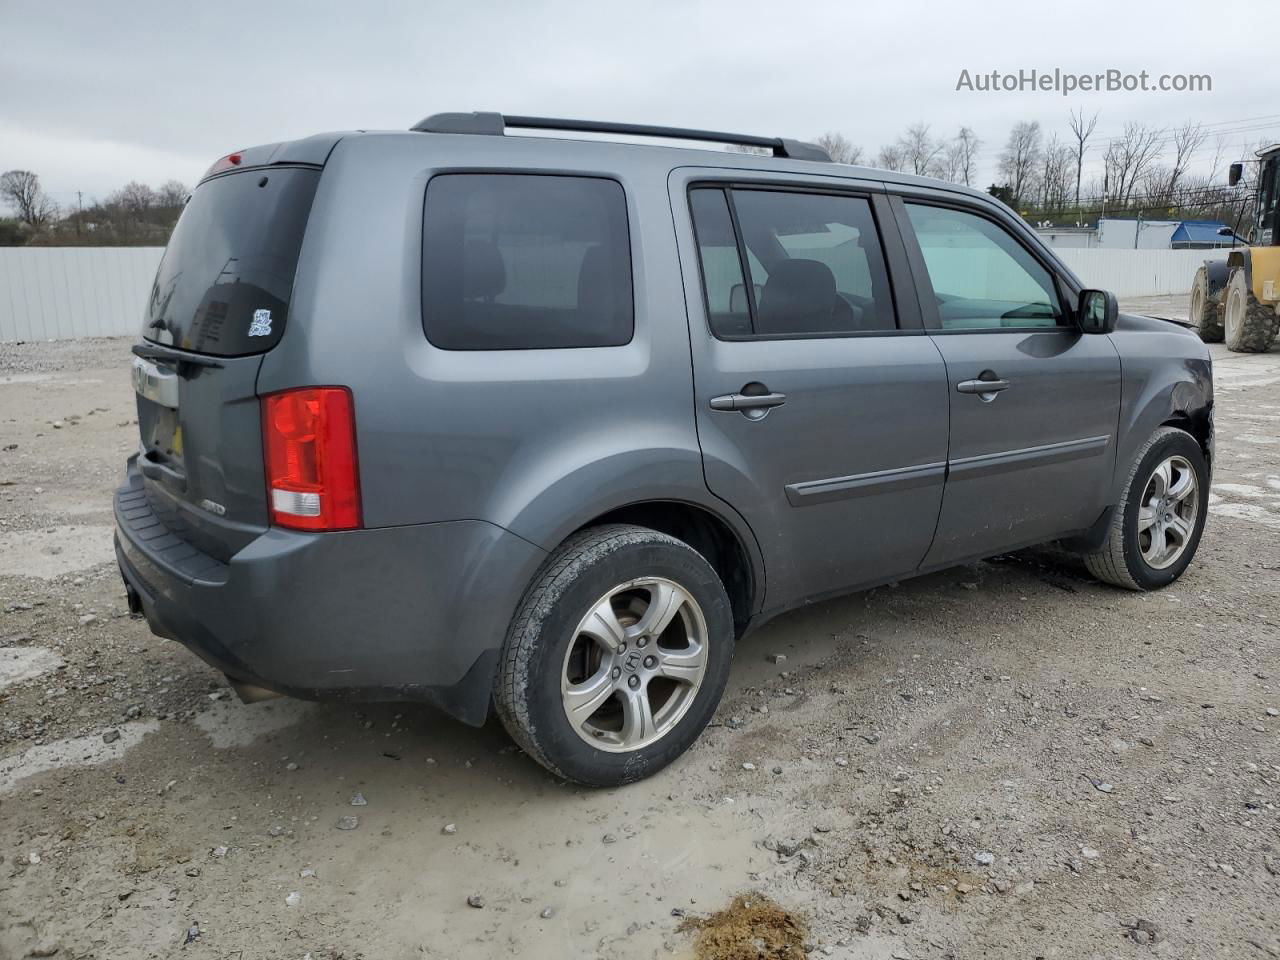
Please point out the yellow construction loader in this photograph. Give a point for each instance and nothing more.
(1238, 300)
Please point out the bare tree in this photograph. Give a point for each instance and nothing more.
(1055, 174)
(1020, 159)
(1082, 130)
(136, 198)
(1187, 139)
(920, 152)
(20, 189)
(890, 158)
(171, 194)
(959, 162)
(1128, 158)
(839, 147)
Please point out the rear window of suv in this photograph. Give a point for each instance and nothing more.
(224, 283)
(519, 261)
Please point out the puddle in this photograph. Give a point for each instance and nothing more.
(19, 664)
(1246, 511)
(230, 723)
(78, 751)
(1240, 489)
(53, 551)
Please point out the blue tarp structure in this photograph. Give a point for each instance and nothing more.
(1199, 234)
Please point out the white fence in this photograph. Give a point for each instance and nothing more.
(56, 293)
(1138, 273)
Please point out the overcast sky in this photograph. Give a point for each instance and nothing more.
(93, 94)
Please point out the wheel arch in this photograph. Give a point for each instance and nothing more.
(1171, 391)
(1216, 273)
(731, 551)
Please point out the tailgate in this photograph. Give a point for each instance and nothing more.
(219, 302)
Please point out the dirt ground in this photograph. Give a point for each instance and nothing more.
(1004, 760)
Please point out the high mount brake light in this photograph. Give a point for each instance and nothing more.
(309, 448)
(229, 162)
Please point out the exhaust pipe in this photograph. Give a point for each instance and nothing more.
(251, 693)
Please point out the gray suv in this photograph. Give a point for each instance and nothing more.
(544, 424)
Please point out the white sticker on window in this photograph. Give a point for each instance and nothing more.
(261, 325)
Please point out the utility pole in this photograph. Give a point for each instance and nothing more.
(79, 211)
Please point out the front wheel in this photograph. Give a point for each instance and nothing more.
(1205, 314)
(617, 657)
(1157, 525)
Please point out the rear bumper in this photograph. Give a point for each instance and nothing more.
(415, 612)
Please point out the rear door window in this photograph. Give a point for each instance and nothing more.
(798, 264)
(518, 262)
(226, 278)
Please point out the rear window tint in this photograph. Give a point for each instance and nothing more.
(224, 283)
(517, 262)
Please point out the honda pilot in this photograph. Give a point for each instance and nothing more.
(541, 424)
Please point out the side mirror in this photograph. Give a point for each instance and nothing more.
(1098, 311)
(1234, 173)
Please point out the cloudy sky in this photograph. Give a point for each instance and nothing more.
(96, 94)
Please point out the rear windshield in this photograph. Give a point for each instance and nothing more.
(224, 283)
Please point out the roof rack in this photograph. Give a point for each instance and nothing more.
(496, 124)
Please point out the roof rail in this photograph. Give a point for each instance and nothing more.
(495, 124)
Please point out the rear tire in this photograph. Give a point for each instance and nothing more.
(617, 657)
(1249, 326)
(1205, 314)
(1156, 505)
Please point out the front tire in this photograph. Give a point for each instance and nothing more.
(1249, 325)
(1157, 525)
(617, 657)
(1205, 314)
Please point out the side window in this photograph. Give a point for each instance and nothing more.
(804, 264)
(983, 278)
(728, 309)
(516, 261)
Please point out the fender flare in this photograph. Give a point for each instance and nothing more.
(1217, 272)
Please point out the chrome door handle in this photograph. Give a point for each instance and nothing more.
(982, 386)
(746, 401)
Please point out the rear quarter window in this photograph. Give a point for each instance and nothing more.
(518, 262)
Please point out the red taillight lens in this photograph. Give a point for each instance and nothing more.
(309, 442)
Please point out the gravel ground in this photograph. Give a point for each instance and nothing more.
(1006, 759)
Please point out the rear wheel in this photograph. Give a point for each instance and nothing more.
(1157, 525)
(617, 657)
(1249, 325)
(1205, 314)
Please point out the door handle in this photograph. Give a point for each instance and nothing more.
(747, 402)
(982, 387)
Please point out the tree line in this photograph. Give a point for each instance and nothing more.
(1145, 171)
(134, 215)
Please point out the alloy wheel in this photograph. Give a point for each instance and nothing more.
(634, 665)
(1167, 515)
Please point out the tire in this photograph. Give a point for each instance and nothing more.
(559, 652)
(1248, 326)
(1123, 559)
(1205, 314)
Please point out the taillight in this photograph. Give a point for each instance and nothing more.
(309, 443)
